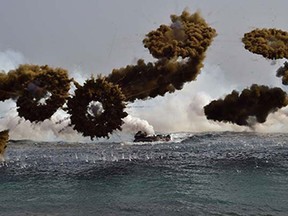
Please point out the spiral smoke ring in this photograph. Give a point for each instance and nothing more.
(48, 80)
(111, 98)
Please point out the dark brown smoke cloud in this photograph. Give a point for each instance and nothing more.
(89, 118)
(4, 137)
(283, 72)
(38, 90)
(258, 101)
(180, 50)
(12, 84)
(270, 43)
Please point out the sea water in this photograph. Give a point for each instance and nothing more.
(222, 173)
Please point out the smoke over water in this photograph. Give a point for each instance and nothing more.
(135, 124)
(183, 110)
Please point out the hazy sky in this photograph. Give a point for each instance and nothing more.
(93, 37)
(97, 36)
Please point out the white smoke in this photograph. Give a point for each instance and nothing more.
(9, 60)
(57, 128)
(275, 123)
(134, 124)
(54, 129)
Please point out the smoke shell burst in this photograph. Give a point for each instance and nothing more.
(270, 43)
(38, 90)
(44, 94)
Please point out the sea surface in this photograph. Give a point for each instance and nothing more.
(223, 173)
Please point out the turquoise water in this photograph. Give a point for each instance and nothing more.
(199, 174)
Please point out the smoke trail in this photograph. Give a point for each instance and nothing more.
(257, 101)
(180, 49)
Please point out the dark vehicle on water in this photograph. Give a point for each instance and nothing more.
(141, 136)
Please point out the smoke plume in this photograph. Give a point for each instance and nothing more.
(270, 43)
(180, 50)
(134, 124)
(258, 102)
